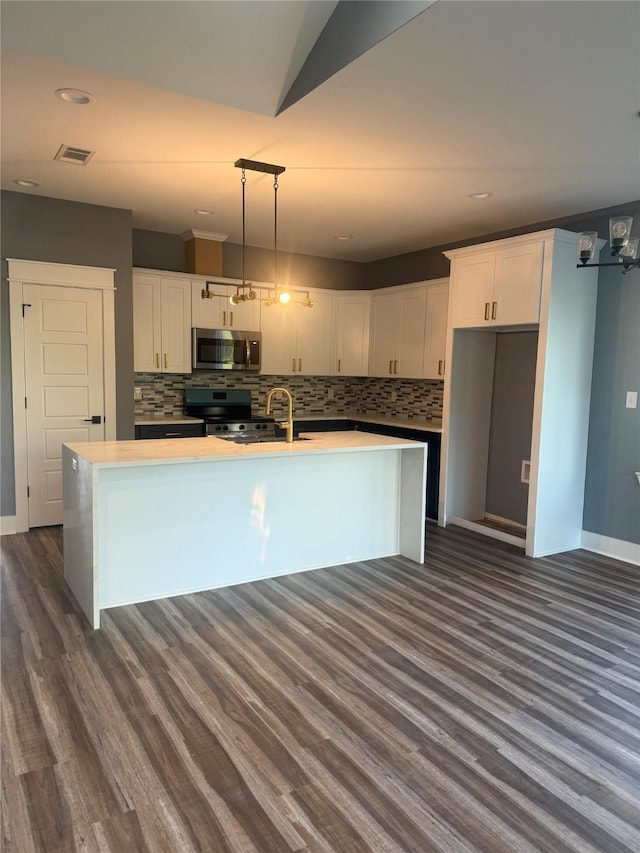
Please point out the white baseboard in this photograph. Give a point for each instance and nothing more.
(616, 548)
(8, 524)
(486, 531)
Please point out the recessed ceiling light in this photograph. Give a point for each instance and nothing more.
(343, 237)
(480, 195)
(75, 96)
(201, 211)
(23, 183)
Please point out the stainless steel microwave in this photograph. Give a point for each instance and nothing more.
(225, 349)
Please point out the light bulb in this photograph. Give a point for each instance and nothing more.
(284, 297)
(630, 250)
(586, 245)
(619, 230)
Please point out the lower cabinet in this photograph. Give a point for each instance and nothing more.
(145, 431)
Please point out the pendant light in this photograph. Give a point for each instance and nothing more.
(623, 247)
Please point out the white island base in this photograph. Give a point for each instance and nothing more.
(146, 520)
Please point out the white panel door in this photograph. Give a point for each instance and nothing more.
(352, 345)
(64, 379)
(435, 331)
(413, 310)
(314, 335)
(175, 325)
(517, 285)
(472, 290)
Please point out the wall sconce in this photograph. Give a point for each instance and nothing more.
(622, 247)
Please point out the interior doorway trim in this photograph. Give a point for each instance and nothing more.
(60, 275)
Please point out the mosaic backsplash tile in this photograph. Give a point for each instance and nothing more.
(162, 393)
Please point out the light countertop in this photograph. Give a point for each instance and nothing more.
(177, 450)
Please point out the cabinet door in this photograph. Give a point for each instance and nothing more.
(147, 347)
(413, 309)
(176, 325)
(245, 317)
(518, 280)
(352, 334)
(472, 280)
(207, 313)
(278, 340)
(385, 327)
(435, 331)
(314, 335)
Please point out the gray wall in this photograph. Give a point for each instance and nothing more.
(612, 495)
(36, 228)
(158, 251)
(514, 380)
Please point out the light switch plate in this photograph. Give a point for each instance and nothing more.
(632, 399)
(137, 393)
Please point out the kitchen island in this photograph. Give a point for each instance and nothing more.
(145, 520)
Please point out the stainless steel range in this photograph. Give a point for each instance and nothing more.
(227, 414)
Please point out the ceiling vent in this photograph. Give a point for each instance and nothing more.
(69, 154)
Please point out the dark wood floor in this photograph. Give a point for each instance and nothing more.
(483, 702)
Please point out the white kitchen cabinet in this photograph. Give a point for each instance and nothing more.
(218, 312)
(560, 300)
(161, 324)
(435, 336)
(398, 331)
(297, 339)
(353, 313)
(499, 287)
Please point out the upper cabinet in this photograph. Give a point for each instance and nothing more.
(499, 287)
(408, 331)
(353, 311)
(161, 324)
(435, 337)
(217, 312)
(297, 339)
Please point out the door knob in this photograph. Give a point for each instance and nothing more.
(94, 419)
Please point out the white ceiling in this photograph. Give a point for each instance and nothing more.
(536, 102)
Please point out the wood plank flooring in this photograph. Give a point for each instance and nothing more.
(482, 702)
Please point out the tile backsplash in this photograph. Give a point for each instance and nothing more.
(312, 395)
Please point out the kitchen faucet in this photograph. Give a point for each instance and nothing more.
(288, 424)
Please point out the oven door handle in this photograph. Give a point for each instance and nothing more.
(248, 358)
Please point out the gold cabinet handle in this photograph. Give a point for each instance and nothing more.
(390, 365)
(339, 363)
(224, 318)
(299, 365)
(440, 367)
(157, 359)
(395, 367)
(494, 310)
(231, 318)
(166, 360)
(293, 364)
(486, 310)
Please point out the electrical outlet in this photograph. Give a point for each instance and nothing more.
(137, 393)
(632, 399)
(330, 394)
(394, 396)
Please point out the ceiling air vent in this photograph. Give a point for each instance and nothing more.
(69, 154)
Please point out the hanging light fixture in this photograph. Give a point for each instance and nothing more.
(281, 295)
(623, 248)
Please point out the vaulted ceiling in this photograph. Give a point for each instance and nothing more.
(400, 113)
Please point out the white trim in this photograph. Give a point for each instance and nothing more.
(553, 234)
(65, 275)
(7, 525)
(193, 234)
(486, 531)
(60, 275)
(619, 549)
